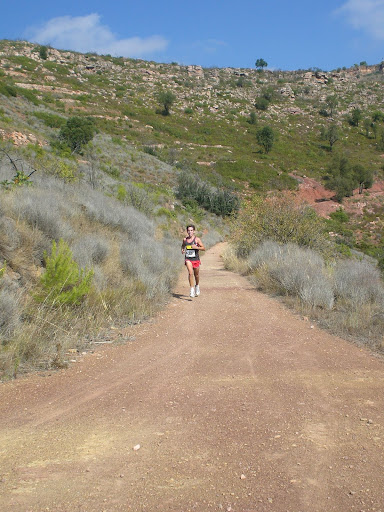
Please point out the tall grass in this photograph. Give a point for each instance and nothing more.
(295, 271)
(135, 259)
(346, 296)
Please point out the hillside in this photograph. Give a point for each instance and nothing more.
(113, 198)
(208, 122)
(214, 118)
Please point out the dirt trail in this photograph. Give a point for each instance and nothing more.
(237, 405)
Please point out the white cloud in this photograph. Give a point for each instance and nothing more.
(367, 15)
(88, 34)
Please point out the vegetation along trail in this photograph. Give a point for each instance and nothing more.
(223, 402)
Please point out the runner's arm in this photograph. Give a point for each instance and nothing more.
(199, 245)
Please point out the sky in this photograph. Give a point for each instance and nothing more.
(288, 35)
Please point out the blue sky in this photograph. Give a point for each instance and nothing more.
(289, 35)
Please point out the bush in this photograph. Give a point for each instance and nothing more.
(219, 201)
(63, 282)
(90, 250)
(41, 210)
(113, 214)
(358, 283)
(265, 137)
(77, 132)
(8, 90)
(10, 312)
(166, 99)
(281, 219)
(43, 52)
(295, 271)
(155, 265)
(51, 120)
(261, 104)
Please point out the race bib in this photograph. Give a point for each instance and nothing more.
(190, 253)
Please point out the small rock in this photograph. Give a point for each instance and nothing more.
(137, 447)
(243, 477)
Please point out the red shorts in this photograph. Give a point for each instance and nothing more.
(195, 264)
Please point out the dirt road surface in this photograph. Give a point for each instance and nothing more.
(224, 402)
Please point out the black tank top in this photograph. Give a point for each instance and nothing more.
(191, 254)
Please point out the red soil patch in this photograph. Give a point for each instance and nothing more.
(321, 200)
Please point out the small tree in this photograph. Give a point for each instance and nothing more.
(166, 100)
(340, 178)
(356, 117)
(43, 52)
(252, 118)
(261, 103)
(279, 218)
(363, 176)
(261, 64)
(330, 134)
(265, 137)
(77, 132)
(332, 103)
(63, 282)
(367, 127)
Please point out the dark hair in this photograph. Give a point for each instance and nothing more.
(191, 226)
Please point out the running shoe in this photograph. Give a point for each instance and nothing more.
(192, 294)
(197, 290)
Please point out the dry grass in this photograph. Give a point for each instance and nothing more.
(346, 298)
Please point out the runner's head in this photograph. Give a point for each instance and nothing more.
(190, 229)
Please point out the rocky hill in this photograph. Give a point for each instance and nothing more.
(214, 117)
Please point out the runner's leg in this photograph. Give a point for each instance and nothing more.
(197, 276)
(190, 272)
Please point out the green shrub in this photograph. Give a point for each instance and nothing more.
(29, 95)
(265, 137)
(77, 132)
(43, 52)
(25, 62)
(63, 282)
(51, 120)
(8, 90)
(261, 103)
(219, 201)
(281, 219)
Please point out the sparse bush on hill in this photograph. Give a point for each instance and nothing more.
(44, 211)
(77, 132)
(265, 137)
(51, 120)
(331, 134)
(343, 177)
(43, 52)
(355, 118)
(261, 103)
(166, 100)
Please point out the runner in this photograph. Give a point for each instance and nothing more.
(190, 247)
